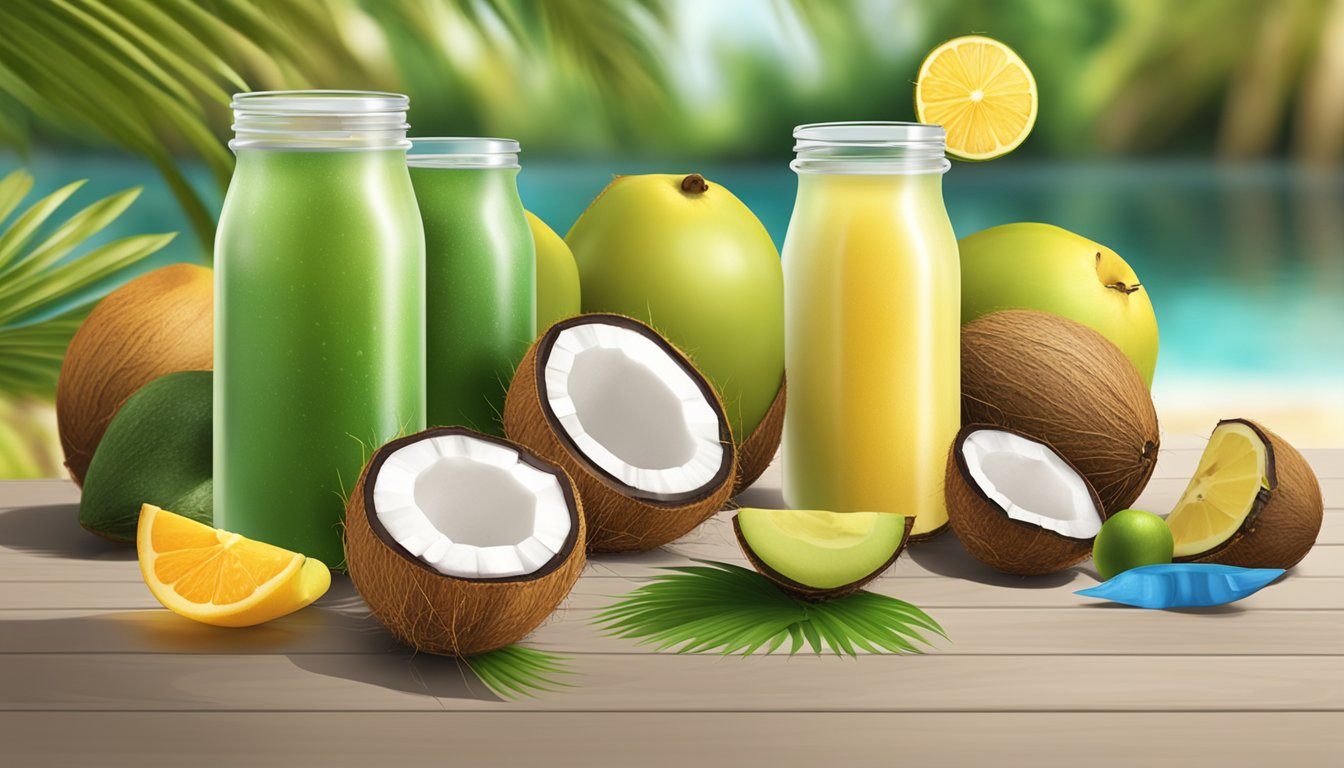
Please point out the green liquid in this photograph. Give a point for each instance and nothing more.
(319, 347)
(480, 287)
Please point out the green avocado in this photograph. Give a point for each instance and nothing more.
(157, 450)
(820, 551)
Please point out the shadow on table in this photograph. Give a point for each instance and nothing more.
(946, 557)
(54, 531)
(389, 664)
(336, 637)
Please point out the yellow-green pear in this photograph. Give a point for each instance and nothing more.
(558, 294)
(683, 254)
(1049, 269)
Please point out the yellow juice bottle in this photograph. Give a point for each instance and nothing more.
(872, 299)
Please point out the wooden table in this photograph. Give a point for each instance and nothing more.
(94, 672)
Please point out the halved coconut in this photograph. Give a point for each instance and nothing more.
(758, 450)
(821, 555)
(642, 433)
(1016, 504)
(461, 542)
(1253, 501)
(1062, 382)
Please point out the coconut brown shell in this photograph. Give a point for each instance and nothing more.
(759, 449)
(1059, 382)
(619, 519)
(1282, 527)
(159, 323)
(436, 613)
(816, 594)
(997, 540)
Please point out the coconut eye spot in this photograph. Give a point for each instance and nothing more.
(471, 508)
(630, 408)
(1030, 483)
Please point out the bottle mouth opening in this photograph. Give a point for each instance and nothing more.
(875, 147)
(320, 120)
(462, 152)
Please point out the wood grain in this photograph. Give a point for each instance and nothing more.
(672, 683)
(672, 740)
(86, 651)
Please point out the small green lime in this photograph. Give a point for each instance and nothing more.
(1128, 539)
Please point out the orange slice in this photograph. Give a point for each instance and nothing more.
(982, 94)
(221, 578)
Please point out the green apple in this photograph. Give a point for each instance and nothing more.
(557, 276)
(684, 255)
(1129, 539)
(1049, 269)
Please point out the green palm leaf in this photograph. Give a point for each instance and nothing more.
(733, 610)
(37, 280)
(513, 671)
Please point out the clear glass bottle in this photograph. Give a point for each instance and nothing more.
(872, 299)
(319, 311)
(480, 276)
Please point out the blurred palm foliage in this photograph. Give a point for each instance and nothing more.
(42, 264)
(1241, 78)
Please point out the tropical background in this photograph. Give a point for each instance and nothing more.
(1201, 139)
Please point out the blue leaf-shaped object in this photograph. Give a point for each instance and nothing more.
(1183, 585)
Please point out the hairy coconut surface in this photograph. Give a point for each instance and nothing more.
(760, 447)
(1062, 383)
(619, 518)
(1282, 527)
(436, 613)
(816, 594)
(997, 540)
(159, 323)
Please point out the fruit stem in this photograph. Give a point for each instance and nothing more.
(694, 184)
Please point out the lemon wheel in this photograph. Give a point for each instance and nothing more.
(982, 94)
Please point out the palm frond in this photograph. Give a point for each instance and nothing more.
(37, 280)
(727, 609)
(514, 671)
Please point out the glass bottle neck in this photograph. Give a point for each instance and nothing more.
(870, 149)
(463, 153)
(320, 121)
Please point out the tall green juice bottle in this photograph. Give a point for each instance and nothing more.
(319, 311)
(480, 276)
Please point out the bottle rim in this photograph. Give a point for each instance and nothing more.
(870, 147)
(462, 152)
(318, 120)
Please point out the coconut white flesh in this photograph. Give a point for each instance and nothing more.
(632, 410)
(471, 508)
(1031, 483)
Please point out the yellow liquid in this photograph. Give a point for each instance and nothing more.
(872, 296)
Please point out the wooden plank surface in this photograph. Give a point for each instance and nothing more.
(1160, 739)
(84, 649)
(679, 683)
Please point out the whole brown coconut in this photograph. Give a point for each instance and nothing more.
(437, 613)
(620, 518)
(994, 538)
(1285, 520)
(760, 447)
(159, 323)
(1063, 383)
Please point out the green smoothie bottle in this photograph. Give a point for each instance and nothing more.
(480, 276)
(319, 311)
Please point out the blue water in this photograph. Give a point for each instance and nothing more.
(1245, 265)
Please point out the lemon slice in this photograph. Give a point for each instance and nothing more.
(1225, 490)
(221, 578)
(982, 94)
